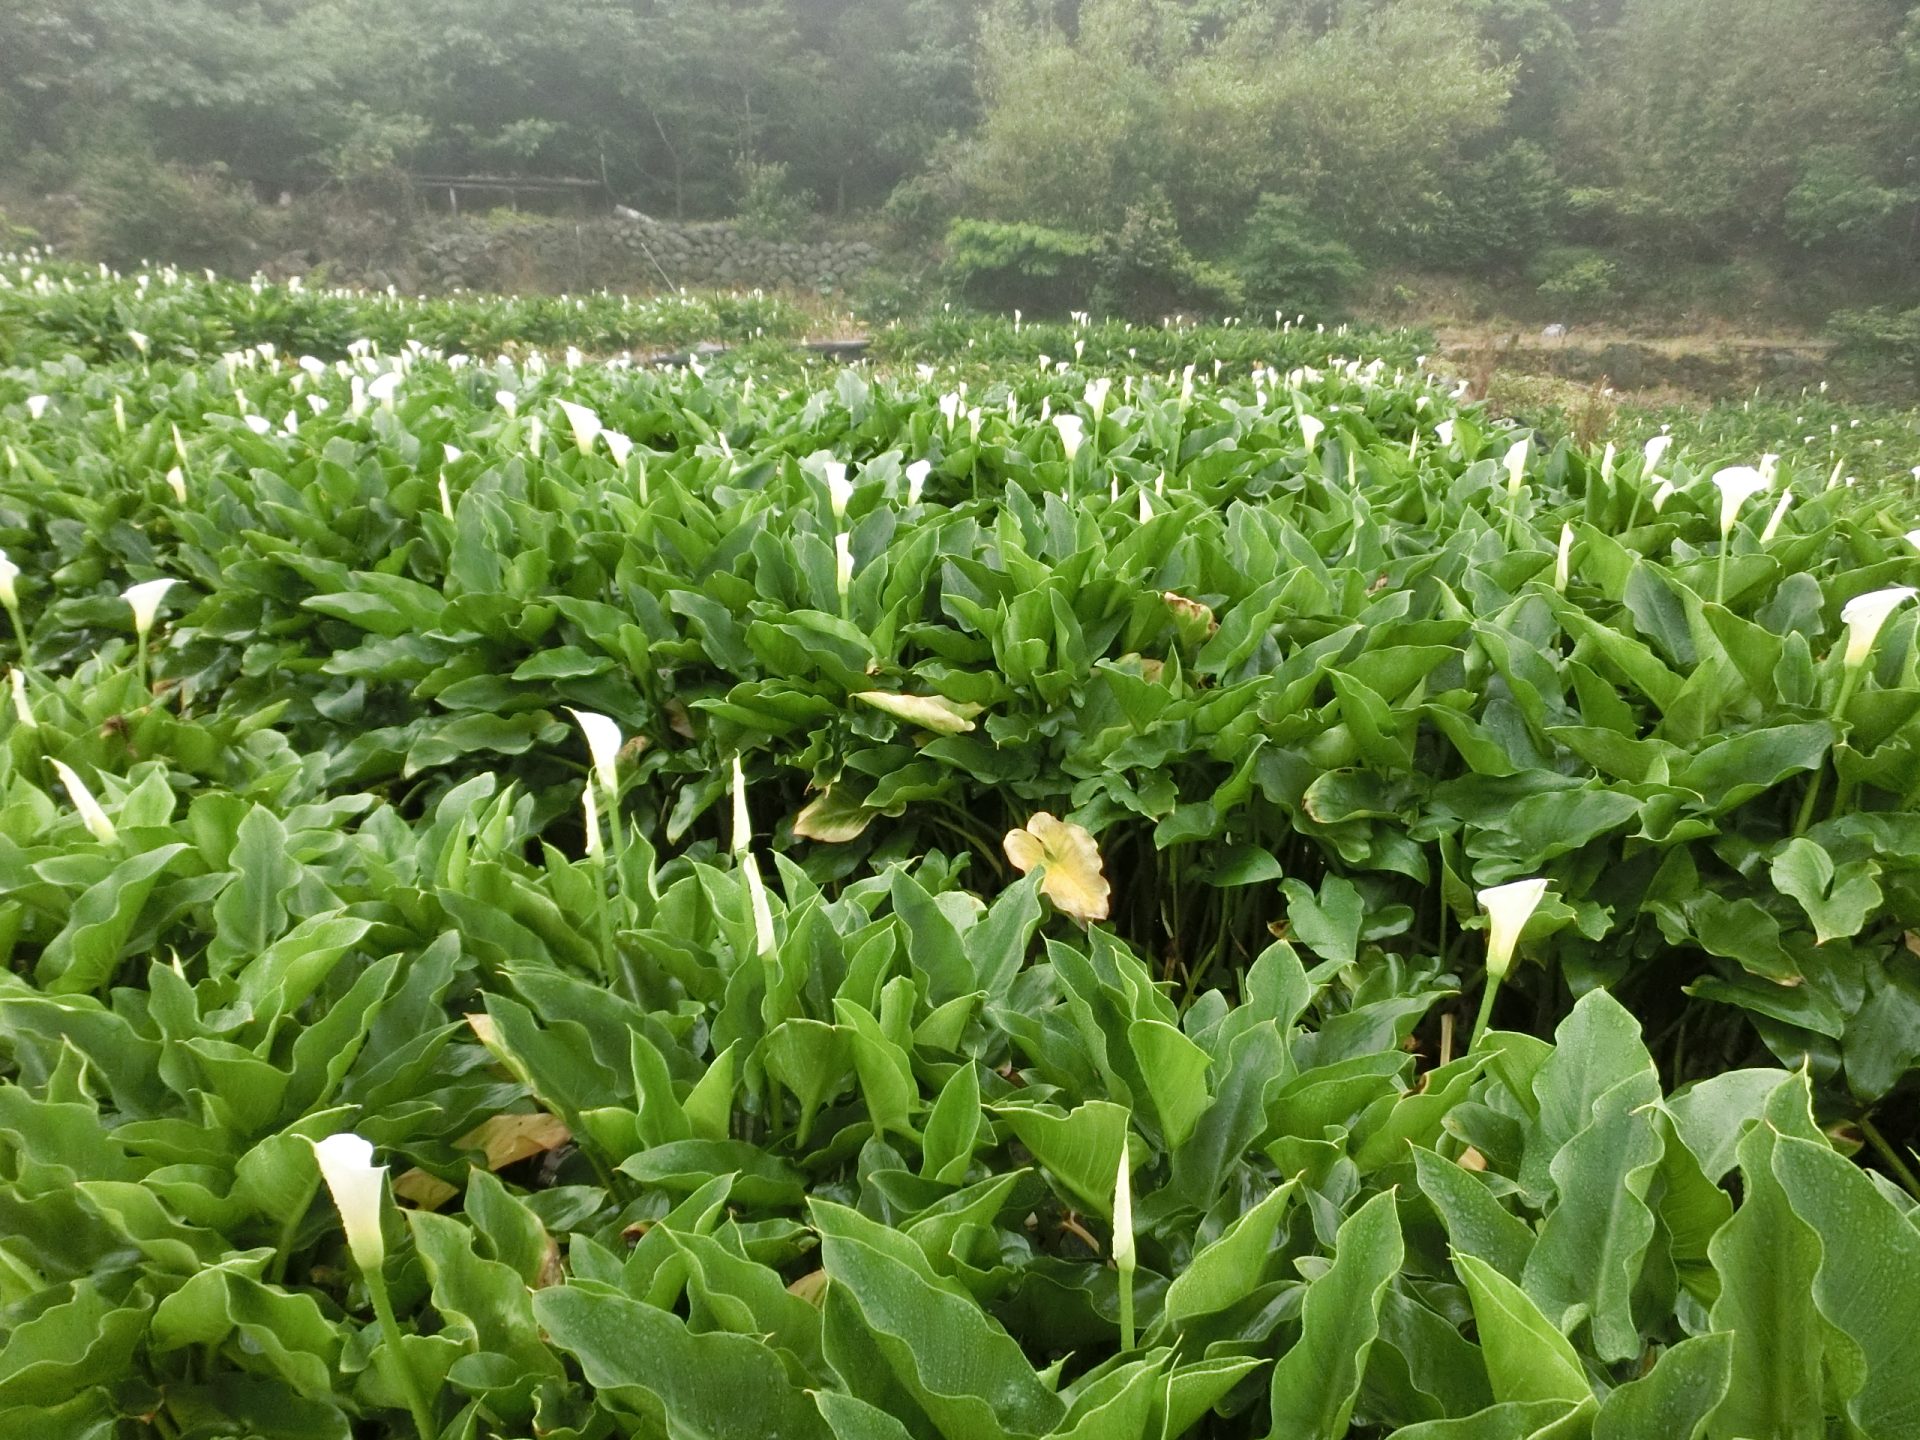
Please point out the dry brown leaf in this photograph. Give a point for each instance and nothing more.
(1072, 878)
(929, 712)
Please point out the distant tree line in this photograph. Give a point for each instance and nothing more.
(1200, 151)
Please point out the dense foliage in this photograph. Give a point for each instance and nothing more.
(874, 910)
(1471, 136)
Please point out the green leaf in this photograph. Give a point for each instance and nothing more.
(1316, 1383)
(1674, 1400)
(1232, 1267)
(1527, 1359)
(1592, 1244)
(965, 1372)
(1867, 1286)
(1079, 1150)
(1176, 1073)
(705, 1387)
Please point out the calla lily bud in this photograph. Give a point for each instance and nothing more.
(177, 482)
(357, 1185)
(91, 814)
(1508, 908)
(1864, 615)
(1072, 432)
(584, 423)
(37, 406)
(1737, 484)
(603, 744)
(1125, 1255)
(763, 938)
(145, 599)
(9, 580)
(1563, 561)
(742, 822)
(591, 819)
(17, 678)
(1779, 514)
(843, 561)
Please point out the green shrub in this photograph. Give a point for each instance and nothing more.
(1881, 337)
(1495, 213)
(1288, 263)
(1584, 282)
(768, 204)
(138, 208)
(1025, 267)
(1146, 270)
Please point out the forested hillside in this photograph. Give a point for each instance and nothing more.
(1211, 154)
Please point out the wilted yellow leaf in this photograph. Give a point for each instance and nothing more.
(504, 1139)
(832, 819)
(508, 1139)
(426, 1190)
(1071, 878)
(929, 712)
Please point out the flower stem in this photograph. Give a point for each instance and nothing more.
(401, 1372)
(1849, 678)
(1485, 1016)
(1902, 1171)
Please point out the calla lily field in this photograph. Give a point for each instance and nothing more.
(1200, 885)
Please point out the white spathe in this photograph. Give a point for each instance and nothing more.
(584, 423)
(90, 812)
(603, 744)
(357, 1185)
(1737, 484)
(1508, 908)
(144, 599)
(1864, 615)
(1073, 432)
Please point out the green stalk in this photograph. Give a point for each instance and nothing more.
(19, 633)
(1126, 1308)
(1902, 1171)
(403, 1373)
(1485, 1016)
(1849, 679)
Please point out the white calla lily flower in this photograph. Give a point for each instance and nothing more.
(839, 488)
(917, 474)
(1773, 521)
(1737, 484)
(9, 580)
(1655, 450)
(1095, 397)
(1865, 615)
(22, 711)
(618, 445)
(603, 745)
(1073, 432)
(37, 406)
(1516, 463)
(144, 599)
(91, 814)
(357, 1186)
(1311, 429)
(1508, 908)
(584, 423)
(1563, 560)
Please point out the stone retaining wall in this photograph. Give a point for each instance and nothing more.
(547, 254)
